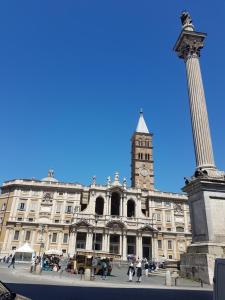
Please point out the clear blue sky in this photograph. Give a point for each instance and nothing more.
(74, 75)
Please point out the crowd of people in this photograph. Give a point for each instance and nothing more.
(98, 266)
(136, 267)
(9, 260)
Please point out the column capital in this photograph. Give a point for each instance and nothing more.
(189, 44)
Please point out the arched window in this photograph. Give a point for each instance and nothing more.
(130, 208)
(115, 204)
(99, 206)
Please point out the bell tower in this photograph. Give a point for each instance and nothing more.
(142, 172)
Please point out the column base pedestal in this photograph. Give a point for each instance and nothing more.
(199, 262)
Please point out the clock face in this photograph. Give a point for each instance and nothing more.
(144, 172)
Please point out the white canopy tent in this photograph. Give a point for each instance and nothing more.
(53, 252)
(24, 253)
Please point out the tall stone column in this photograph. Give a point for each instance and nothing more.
(188, 48)
(206, 189)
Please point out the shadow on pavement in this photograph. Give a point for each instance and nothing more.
(48, 292)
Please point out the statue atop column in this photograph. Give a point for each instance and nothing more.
(186, 21)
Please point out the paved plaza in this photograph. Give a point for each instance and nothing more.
(46, 284)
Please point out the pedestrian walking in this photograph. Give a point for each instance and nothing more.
(139, 271)
(63, 265)
(146, 268)
(12, 262)
(8, 258)
(104, 270)
(131, 272)
(94, 264)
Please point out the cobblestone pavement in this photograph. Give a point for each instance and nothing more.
(118, 278)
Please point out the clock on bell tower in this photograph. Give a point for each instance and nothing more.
(142, 172)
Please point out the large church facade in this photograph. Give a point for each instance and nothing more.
(108, 218)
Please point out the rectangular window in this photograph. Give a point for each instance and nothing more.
(21, 206)
(4, 206)
(65, 238)
(69, 209)
(158, 217)
(19, 219)
(33, 206)
(16, 235)
(170, 245)
(31, 219)
(97, 241)
(57, 221)
(167, 204)
(77, 208)
(27, 237)
(114, 244)
(160, 244)
(58, 208)
(54, 237)
(168, 218)
(81, 240)
(131, 244)
(1, 220)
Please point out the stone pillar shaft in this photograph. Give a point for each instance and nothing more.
(199, 115)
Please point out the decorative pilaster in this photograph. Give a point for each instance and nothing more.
(6, 239)
(124, 254)
(72, 243)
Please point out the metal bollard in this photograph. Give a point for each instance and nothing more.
(201, 283)
(168, 281)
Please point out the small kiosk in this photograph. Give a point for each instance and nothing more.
(24, 253)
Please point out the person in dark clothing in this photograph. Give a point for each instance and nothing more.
(12, 262)
(131, 272)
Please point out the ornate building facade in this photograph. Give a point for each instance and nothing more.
(108, 218)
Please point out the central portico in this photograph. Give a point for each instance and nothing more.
(114, 223)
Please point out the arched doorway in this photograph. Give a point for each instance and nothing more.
(99, 206)
(130, 208)
(115, 204)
